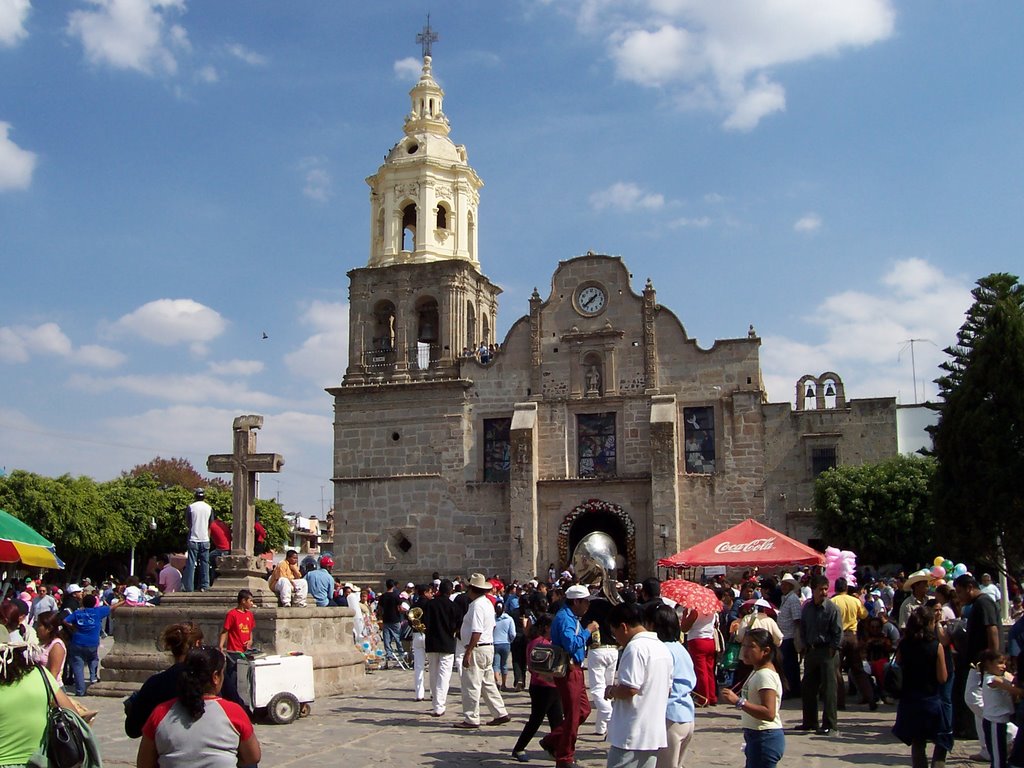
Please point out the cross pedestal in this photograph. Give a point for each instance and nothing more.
(241, 569)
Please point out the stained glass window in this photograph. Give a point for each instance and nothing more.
(699, 440)
(596, 444)
(496, 450)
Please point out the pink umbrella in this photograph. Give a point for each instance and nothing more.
(691, 595)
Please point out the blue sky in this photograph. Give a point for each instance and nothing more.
(177, 178)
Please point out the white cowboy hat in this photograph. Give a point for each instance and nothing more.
(923, 575)
(479, 581)
(789, 578)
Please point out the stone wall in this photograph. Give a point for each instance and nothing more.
(323, 633)
(863, 431)
(425, 487)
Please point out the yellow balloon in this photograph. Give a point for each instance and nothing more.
(938, 560)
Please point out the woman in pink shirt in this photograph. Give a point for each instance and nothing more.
(544, 700)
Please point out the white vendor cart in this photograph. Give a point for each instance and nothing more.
(283, 685)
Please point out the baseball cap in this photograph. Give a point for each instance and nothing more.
(577, 592)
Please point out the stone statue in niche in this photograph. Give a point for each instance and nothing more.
(593, 381)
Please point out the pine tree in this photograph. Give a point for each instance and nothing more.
(979, 439)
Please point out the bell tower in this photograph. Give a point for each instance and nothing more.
(421, 300)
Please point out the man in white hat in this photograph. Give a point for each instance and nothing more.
(917, 585)
(568, 634)
(477, 660)
(789, 623)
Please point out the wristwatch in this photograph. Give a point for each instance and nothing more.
(740, 702)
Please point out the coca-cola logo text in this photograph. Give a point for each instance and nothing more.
(757, 545)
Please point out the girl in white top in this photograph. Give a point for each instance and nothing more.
(759, 702)
(997, 707)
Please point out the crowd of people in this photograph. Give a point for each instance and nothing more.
(637, 667)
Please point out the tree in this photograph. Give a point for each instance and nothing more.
(82, 518)
(175, 471)
(880, 511)
(978, 492)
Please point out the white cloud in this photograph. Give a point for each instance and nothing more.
(809, 222)
(96, 356)
(242, 53)
(12, 21)
(177, 388)
(700, 222)
(207, 74)
(20, 343)
(626, 196)
(323, 356)
(16, 164)
(722, 56)
(864, 333)
(235, 367)
(408, 68)
(173, 321)
(318, 185)
(131, 34)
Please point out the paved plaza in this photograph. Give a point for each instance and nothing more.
(383, 726)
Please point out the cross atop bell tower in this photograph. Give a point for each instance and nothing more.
(426, 38)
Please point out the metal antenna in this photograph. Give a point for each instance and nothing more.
(913, 363)
(426, 38)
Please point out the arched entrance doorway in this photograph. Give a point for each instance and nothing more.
(597, 515)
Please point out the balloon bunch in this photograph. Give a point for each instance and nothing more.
(944, 570)
(840, 564)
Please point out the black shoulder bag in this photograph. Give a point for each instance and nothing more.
(63, 741)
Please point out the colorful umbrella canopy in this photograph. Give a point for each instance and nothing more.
(692, 595)
(20, 544)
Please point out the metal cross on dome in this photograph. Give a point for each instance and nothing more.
(426, 38)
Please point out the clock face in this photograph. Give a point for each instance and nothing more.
(591, 300)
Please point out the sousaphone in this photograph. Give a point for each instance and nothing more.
(594, 559)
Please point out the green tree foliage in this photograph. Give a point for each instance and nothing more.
(83, 518)
(880, 511)
(87, 520)
(979, 439)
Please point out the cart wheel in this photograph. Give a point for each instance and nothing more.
(283, 708)
(304, 710)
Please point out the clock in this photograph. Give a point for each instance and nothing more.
(591, 299)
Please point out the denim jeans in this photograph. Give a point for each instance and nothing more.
(393, 641)
(80, 655)
(198, 551)
(764, 748)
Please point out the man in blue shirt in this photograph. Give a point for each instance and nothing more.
(568, 634)
(83, 649)
(320, 581)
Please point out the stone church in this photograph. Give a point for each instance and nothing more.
(595, 412)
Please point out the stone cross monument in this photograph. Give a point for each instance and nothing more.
(241, 569)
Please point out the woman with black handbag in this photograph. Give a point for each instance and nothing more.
(544, 700)
(27, 692)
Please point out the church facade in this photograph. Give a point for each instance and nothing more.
(596, 412)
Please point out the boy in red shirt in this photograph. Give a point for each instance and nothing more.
(239, 625)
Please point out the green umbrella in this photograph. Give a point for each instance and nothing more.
(20, 544)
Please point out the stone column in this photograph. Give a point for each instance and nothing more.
(650, 307)
(536, 358)
(665, 472)
(523, 518)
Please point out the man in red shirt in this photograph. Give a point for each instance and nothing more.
(239, 625)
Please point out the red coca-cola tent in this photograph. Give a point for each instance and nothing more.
(746, 545)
